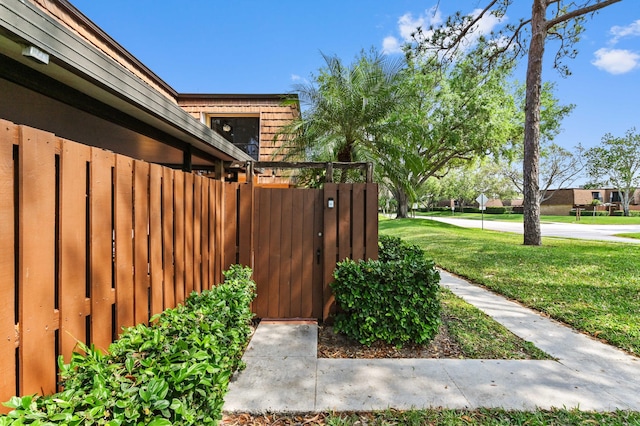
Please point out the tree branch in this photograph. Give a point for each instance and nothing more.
(577, 13)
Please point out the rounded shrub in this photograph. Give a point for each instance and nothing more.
(393, 299)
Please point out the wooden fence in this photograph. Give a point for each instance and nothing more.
(93, 241)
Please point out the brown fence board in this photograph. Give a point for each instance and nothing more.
(330, 244)
(167, 238)
(8, 334)
(261, 271)
(73, 245)
(316, 293)
(344, 221)
(286, 217)
(245, 226)
(101, 247)
(275, 228)
(123, 225)
(371, 227)
(197, 234)
(37, 194)
(297, 241)
(229, 219)
(358, 222)
(141, 242)
(179, 238)
(188, 234)
(218, 242)
(155, 239)
(204, 231)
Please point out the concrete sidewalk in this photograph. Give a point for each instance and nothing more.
(283, 373)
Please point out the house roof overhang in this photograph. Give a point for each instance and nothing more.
(85, 79)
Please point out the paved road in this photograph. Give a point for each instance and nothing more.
(563, 230)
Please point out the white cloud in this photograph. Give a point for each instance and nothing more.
(295, 77)
(391, 45)
(408, 24)
(630, 30)
(616, 61)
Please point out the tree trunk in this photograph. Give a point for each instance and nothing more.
(531, 187)
(345, 155)
(403, 203)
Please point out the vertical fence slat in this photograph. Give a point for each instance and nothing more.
(298, 235)
(318, 267)
(245, 225)
(218, 220)
(101, 247)
(344, 221)
(371, 226)
(358, 213)
(204, 250)
(214, 234)
(330, 244)
(230, 224)
(37, 193)
(155, 239)
(261, 272)
(73, 245)
(141, 241)
(197, 233)
(178, 247)
(168, 225)
(8, 332)
(275, 227)
(123, 224)
(286, 217)
(188, 234)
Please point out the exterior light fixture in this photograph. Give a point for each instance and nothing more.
(36, 54)
(330, 203)
(226, 128)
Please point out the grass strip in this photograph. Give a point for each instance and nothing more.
(591, 285)
(481, 337)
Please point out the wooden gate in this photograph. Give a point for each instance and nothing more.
(298, 236)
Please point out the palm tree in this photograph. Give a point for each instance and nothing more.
(345, 108)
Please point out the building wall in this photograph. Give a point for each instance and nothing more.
(273, 113)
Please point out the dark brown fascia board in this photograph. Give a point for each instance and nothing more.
(84, 20)
(281, 96)
(113, 84)
(248, 96)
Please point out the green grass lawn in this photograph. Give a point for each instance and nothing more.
(635, 235)
(593, 286)
(585, 219)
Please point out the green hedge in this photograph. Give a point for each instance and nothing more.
(173, 372)
(589, 213)
(393, 299)
(634, 213)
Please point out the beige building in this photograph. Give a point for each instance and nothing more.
(564, 200)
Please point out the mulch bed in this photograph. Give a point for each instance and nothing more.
(333, 345)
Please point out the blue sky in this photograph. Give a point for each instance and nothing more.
(244, 46)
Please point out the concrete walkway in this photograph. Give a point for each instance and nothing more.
(283, 373)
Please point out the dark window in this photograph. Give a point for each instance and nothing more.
(615, 197)
(596, 196)
(243, 132)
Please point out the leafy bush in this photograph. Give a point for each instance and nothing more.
(393, 299)
(621, 213)
(175, 371)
